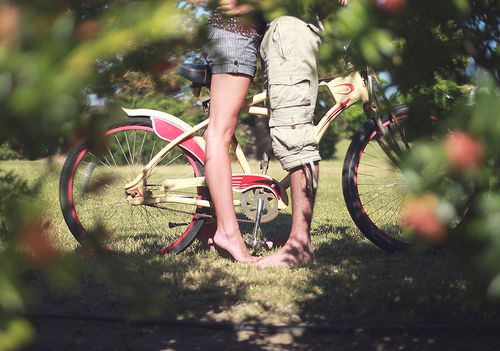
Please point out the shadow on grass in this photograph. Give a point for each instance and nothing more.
(354, 280)
(115, 290)
(352, 283)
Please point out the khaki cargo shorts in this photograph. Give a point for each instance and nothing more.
(290, 48)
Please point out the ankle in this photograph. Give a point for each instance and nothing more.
(299, 243)
(227, 233)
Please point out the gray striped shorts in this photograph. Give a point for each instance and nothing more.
(228, 52)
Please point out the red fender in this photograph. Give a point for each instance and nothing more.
(169, 127)
(244, 182)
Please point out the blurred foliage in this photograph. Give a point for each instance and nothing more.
(441, 56)
(50, 53)
(55, 55)
(139, 91)
(14, 330)
(6, 153)
(421, 43)
(465, 186)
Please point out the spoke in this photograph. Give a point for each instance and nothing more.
(367, 175)
(366, 153)
(121, 148)
(175, 159)
(394, 212)
(115, 208)
(133, 149)
(381, 185)
(107, 161)
(114, 229)
(107, 164)
(148, 216)
(390, 208)
(374, 145)
(156, 169)
(161, 211)
(131, 155)
(385, 205)
(111, 154)
(152, 151)
(379, 167)
(373, 199)
(103, 217)
(144, 218)
(378, 189)
(142, 145)
(94, 179)
(388, 151)
(109, 167)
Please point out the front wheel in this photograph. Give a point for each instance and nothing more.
(374, 187)
(94, 203)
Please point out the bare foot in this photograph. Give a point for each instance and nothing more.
(292, 253)
(234, 245)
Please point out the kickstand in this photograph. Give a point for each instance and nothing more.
(264, 165)
(260, 202)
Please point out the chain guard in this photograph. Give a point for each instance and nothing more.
(249, 200)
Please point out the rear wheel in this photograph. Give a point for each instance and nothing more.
(93, 199)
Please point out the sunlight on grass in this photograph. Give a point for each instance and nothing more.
(351, 278)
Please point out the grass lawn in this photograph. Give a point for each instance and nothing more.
(352, 286)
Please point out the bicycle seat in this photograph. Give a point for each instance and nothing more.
(199, 74)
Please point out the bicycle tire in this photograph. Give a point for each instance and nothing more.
(373, 189)
(92, 195)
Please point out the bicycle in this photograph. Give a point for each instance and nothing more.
(149, 179)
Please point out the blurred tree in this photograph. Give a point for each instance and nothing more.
(53, 55)
(50, 54)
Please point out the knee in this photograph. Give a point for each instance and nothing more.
(215, 135)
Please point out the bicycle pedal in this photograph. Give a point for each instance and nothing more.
(181, 224)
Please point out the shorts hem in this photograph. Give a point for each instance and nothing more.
(299, 163)
(234, 69)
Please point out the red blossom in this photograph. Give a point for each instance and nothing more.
(391, 6)
(39, 248)
(419, 215)
(463, 151)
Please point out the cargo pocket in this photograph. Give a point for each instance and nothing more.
(289, 92)
(288, 140)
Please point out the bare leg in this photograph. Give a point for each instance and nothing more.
(228, 94)
(298, 248)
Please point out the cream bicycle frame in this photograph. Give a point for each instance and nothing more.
(346, 90)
